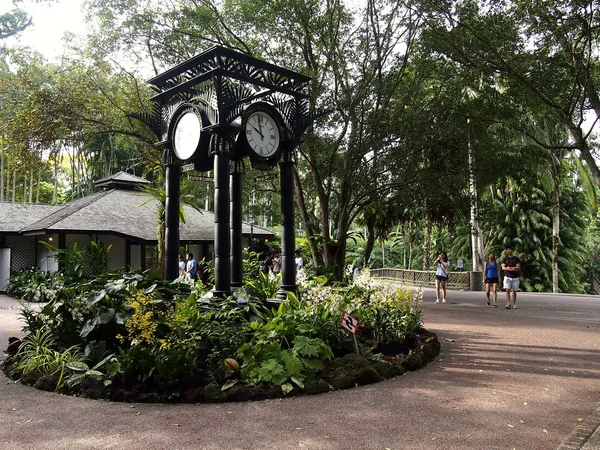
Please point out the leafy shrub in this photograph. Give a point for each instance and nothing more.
(140, 330)
(278, 352)
(38, 353)
(33, 285)
(264, 287)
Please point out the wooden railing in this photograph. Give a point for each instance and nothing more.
(456, 280)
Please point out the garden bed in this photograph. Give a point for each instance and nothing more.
(344, 372)
(135, 337)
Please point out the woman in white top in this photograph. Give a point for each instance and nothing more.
(441, 276)
(181, 266)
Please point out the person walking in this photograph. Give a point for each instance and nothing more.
(490, 269)
(192, 267)
(356, 272)
(511, 266)
(267, 264)
(441, 276)
(181, 266)
(298, 260)
(276, 266)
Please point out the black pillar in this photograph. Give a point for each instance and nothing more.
(172, 191)
(288, 237)
(236, 225)
(222, 245)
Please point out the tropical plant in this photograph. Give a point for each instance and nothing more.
(38, 353)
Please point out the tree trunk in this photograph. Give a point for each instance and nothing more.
(14, 186)
(410, 246)
(31, 186)
(73, 181)
(39, 180)
(404, 245)
(112, 155)
(476, 232)
(7, 184)
(305, 217)
(2, 171)
(370, 240)
(555, 221)
(427, 241)
(55, 189)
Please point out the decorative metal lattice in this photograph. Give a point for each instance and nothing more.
(82, 240)
(116, 255)
(22, 251)
(223, 82)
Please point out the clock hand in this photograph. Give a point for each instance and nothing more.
(258, 131)
(260, 126)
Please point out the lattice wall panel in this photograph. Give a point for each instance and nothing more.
(116, 256)
(22, 251)
(82, 240)
(151, 257)
(211, 256)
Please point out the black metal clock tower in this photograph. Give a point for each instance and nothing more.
(243, 107)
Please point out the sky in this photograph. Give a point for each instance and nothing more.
(50, 21)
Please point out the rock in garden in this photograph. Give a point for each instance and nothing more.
(31, 378)
(213, 393)
(349, 371)
(47, 383)
(13, 345)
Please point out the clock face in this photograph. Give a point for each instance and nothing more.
(186, 136)
(262, 134)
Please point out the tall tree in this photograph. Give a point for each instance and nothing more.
(540, 51)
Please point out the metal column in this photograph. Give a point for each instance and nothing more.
(172, 192)
(236, 225)
(288, 237)
(220, 149)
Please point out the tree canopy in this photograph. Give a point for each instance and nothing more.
(438, 113)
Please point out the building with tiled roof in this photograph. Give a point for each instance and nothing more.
(119, 215)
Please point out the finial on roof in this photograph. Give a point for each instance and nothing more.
(120, 180)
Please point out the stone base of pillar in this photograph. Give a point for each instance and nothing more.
(283, 290)
(221, 294)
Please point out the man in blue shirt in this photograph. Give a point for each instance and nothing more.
(192, 266)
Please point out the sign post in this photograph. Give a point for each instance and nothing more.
(350, 324)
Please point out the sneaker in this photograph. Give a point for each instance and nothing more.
(437, 300)
(513, 307)
(488, 302)
(508, 307)
(443, 300)
(494, 305)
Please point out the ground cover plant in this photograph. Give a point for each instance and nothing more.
(134, 337)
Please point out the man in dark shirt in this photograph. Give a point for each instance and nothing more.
(512, 271)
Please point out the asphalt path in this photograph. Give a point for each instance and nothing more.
(527, 378)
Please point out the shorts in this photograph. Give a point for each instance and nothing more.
(511, 283)
(492, 280)
(441, 278)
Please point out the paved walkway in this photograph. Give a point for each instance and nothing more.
(506, 379)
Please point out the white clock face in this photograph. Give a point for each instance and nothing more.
(262, 134)
(187, 135)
